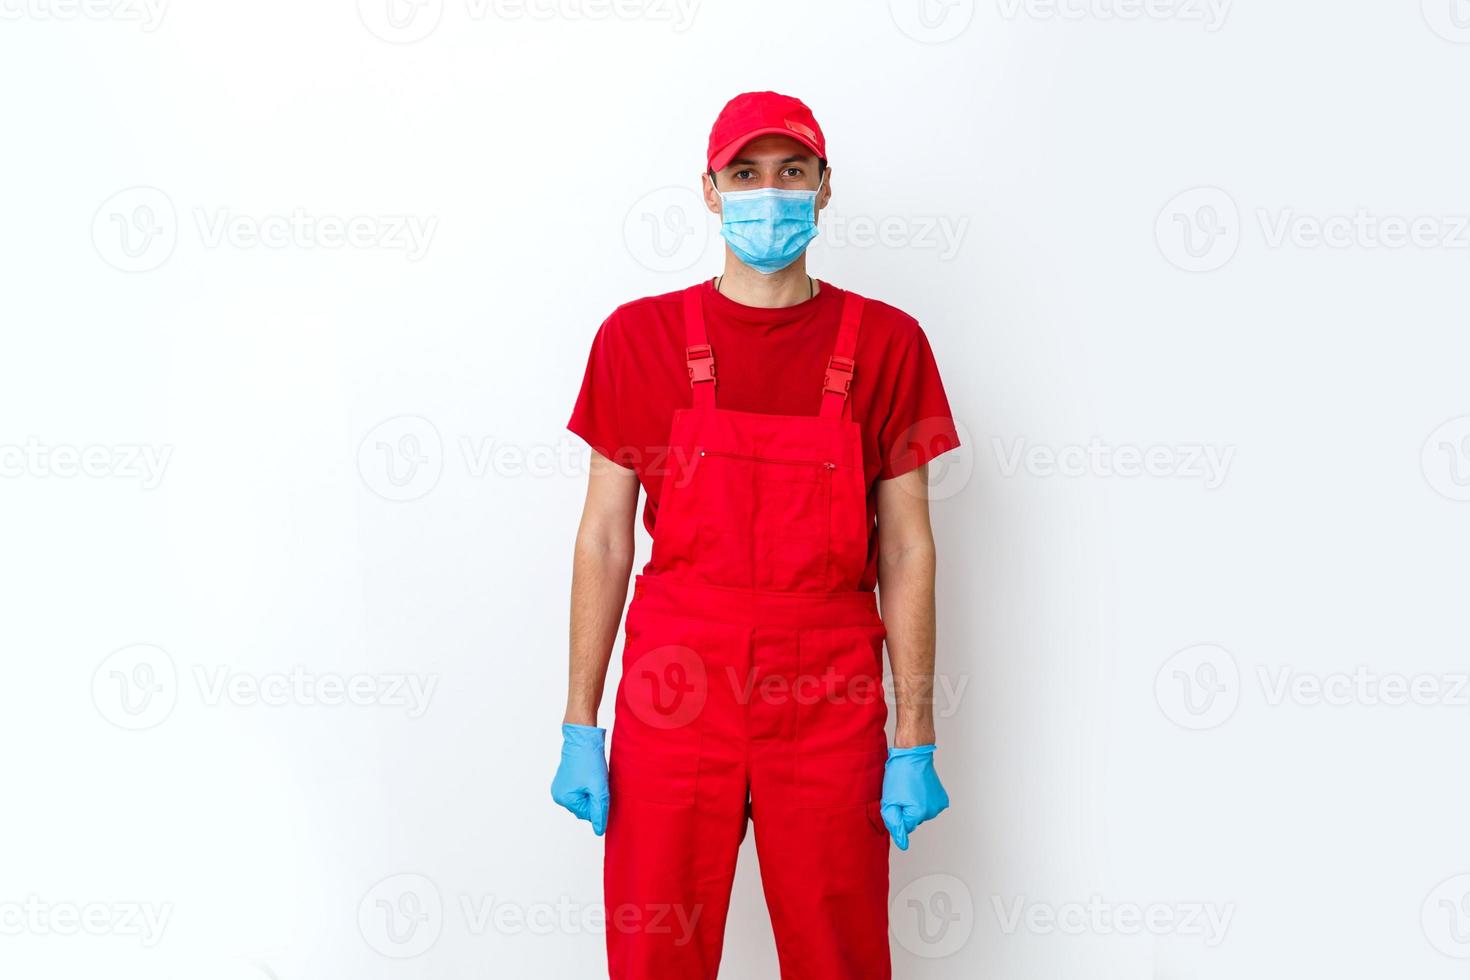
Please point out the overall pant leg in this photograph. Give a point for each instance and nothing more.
(678, 810)
(817, 755)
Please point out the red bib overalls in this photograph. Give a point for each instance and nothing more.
(752, 670)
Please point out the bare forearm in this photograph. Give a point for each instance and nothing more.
(906, 594)
(600, 572)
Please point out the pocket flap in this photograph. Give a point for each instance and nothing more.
(839, 779)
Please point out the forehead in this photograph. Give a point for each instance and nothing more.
(772, 148)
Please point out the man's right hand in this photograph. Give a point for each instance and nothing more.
(581, 779)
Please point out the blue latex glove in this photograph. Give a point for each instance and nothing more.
(581, 779)
(911, 792)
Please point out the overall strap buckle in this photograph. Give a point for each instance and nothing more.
(838, 379)
(701, 363)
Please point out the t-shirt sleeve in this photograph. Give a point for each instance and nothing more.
(919, 426)
(595, 415)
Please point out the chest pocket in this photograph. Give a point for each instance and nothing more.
(764, 522)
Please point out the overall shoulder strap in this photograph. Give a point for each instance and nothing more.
(698, 357)
(837, 382)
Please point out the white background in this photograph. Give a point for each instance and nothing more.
(1104, 218)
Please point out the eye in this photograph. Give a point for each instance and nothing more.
(794, 173)
(744, 174)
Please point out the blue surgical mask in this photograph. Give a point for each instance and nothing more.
(769, 228)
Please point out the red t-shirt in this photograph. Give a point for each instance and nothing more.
(770, 361)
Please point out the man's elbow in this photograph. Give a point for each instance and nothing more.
(909, 553)
(604, 546)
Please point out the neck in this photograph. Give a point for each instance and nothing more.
(750, 288)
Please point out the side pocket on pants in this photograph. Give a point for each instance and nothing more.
(875, 817)
(660, 706)
(841, 745)
(839, 780)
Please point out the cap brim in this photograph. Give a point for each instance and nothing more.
(722, 159)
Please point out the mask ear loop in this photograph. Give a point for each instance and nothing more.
(716, 188)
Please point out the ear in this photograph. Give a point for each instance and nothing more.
(711, 198)
(826, 193)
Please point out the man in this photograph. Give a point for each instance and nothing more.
(782, 487)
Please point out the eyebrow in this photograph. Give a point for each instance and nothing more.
(799, 158)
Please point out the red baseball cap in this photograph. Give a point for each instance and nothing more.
(753, 114)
